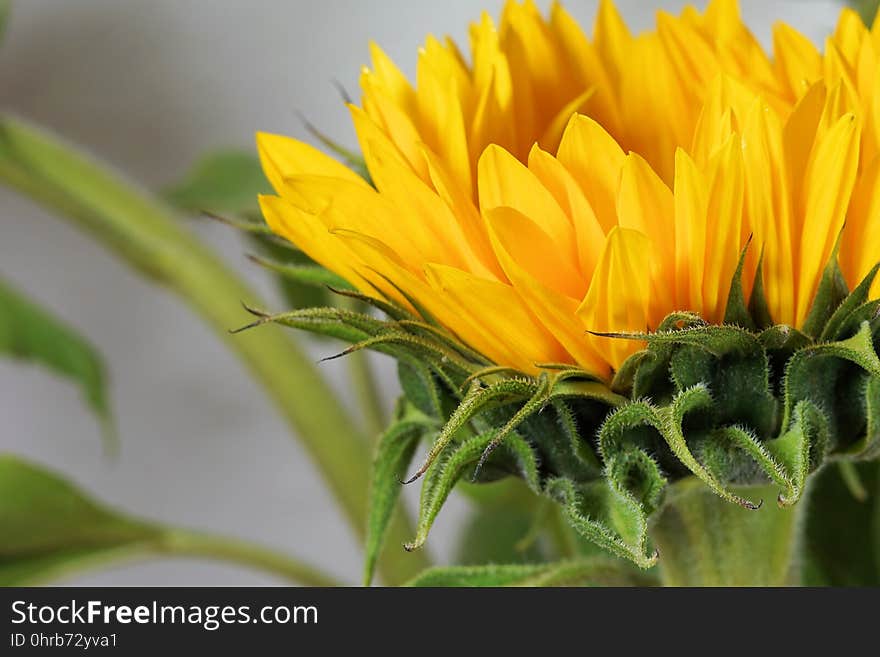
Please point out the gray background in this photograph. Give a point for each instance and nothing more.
(148, 85)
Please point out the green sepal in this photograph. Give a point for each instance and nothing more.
(421, 387)
(596, 571)
(353, 160)
(829, 296)
(515, 455)
(819, 373)
(801, 448)
(477, 399)
(868, 446)
(606, 514)
(304, 274)
(394, 452)
(737, 312)
(836, 325)
(758, 309)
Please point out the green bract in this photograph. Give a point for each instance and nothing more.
(747, 403)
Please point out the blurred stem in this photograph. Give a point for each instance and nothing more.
(145, 234)
(561, 534)
(706, 541)
(182, 543)
(364, 383)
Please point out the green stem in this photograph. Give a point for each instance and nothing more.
(145, 233)
(181, 543)
(706, 541)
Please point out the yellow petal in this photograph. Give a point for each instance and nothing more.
(556, 311)
(594, 160)
(442, 118)
(798, 63)
(860, 245)
(768, 208)
(589, 235)
(341, 204)
(497, 318)
(798, 136)
(829, 181)
(724, 237)
(503, 181)
(392, 80)
(421, 213)
(619, 295)
(611, 38)
(534, 250)
(467, 215)
(283, 157)
(602, 104)
(645, 204)
(310, 235)
(691, 202)
(396, 121)
(553, 132)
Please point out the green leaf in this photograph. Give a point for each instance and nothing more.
(586, 572)
(393, 455)
(226, 182)
(48, 528)
(32, 334)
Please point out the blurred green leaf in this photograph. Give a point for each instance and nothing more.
(297, 292)
(5, 6)
(393, 455)
(499, 535)
(842, 540)
(226, 182)
(867, 9)
(48, 528)
(582, 572)
(30, 333)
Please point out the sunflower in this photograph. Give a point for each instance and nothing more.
(551, 187)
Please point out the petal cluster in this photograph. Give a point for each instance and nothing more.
(550, 186)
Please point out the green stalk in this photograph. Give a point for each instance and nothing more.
(180, 543)
(706, 541)
(145, 234)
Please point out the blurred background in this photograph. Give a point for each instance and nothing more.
(149, 86)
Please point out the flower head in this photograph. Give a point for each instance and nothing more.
(551, 186)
